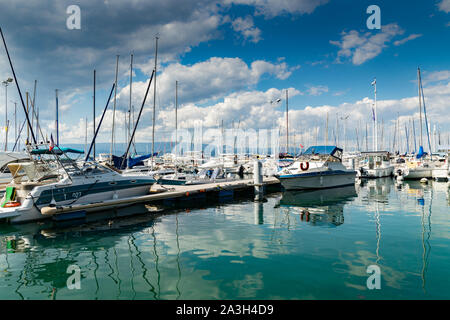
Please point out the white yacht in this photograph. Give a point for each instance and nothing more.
(39, 184)
(418, 167)
(318, 167)
(202, 177)
(375, 164)
(441, 172)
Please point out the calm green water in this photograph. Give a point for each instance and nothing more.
(247, 250)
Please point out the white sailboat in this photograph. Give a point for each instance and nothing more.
(422, 165)
(375, 164)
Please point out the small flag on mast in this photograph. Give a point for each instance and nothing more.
(374, 82)
(52, 143)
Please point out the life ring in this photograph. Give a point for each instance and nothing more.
(11, 204)
(306, 167)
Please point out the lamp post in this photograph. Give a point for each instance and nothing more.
(6, 83)
(344, 118)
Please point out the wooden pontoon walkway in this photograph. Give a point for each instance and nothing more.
(162, 192)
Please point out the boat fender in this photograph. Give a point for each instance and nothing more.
(11, 204)
(305, 167)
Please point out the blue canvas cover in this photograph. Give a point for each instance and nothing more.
(117, 162)
(138, 160)
(130, 162)
(57, 151)
(421, 153)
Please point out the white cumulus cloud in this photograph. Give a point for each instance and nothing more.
(444, 5)
(246, 28)
(361, 47)
(272, 8)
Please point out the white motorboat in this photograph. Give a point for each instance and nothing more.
(441, 172)
(375, 164)
(39, 184)
(418, 167)
(203, 177)
(319, 167)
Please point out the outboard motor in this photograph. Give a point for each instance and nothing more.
(399, 177)
(241, 172)
(361, 172)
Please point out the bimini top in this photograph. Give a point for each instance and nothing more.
(322, 150)
(57, 150)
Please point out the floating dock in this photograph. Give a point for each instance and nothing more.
(168, 192)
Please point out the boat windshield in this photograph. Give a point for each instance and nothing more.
(90, 169)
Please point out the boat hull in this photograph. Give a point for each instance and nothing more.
(440, 174)
(28, 213)
(376, 173)
(418, 173)
(317, 180)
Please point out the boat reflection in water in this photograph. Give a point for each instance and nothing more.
(319, 207)
(106, 245)
(376, 190)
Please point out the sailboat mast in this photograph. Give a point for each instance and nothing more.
(395, 135)
(18, 89)
(337, 129)
(425, 114)
(131, 89)
(287, 123)
(154, 100)
(375, 126)
(57, 119)
(399, 141)
(176, 118)
(6, 115)
(15, 121)
(223, 141)
(32, 106)
(367, 139)
(112, 150)
(85, 135)
(357, 138)
(420, 106)
(28, 122)
(93, 116)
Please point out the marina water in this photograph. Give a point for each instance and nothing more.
(297, 245)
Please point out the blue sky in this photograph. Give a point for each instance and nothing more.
(232, 57)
